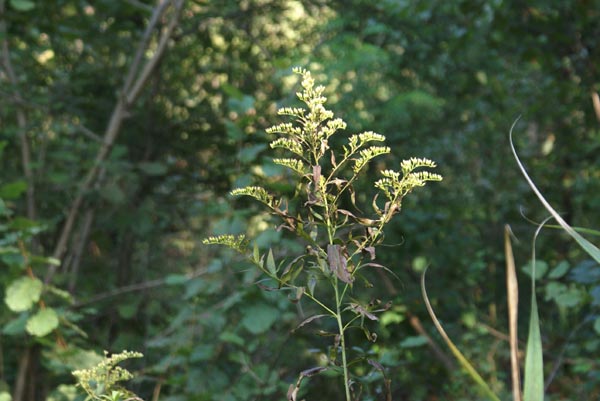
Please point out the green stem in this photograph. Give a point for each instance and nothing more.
(342, 341)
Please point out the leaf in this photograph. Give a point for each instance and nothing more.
(250, 154)
(42, 323)
(22, 5)
(13, 190)
(15, 326)
(232, 338)
(152, 168)
(23, 293)
(541, 268)
(361, 310)
(256, 254)
(586, 272)
(590, 248)
(534, 365)
(413, 341)
(113, 193)
(559, 270)
(259, 318)
(309, 319)
(43, 261)
(533, 381)
(271, 263)
(176, 279)
(595, 293)
(338, 263)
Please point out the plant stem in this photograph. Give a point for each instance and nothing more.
(342, 340)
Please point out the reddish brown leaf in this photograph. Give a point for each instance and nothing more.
(338, 263)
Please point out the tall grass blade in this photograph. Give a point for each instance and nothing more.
(534, 364)
(483, 386)
(533, 389)
(590, 248)
(513, 305)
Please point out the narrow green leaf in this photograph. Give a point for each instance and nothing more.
(534, 363)
(590, 248)
(271, 263)
(533, 381)
(256, 254)
(42, 323)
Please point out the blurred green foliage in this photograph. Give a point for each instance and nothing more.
(442, 80)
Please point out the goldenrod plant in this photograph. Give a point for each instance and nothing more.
(340, 241)
(103, 381)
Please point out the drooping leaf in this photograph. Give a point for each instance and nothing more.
(309, 319)
(590, 248)
(338, 263)
(42, 323)
(23, 293)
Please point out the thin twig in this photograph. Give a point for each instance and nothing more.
(132, 288)
(561, 356)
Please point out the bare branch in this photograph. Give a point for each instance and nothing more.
(160, 49)
(124, 102)
(146, 285)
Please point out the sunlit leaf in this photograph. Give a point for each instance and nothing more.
(23, 293)
(42, 323)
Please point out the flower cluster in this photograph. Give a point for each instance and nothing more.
(103, 378)
(237, 243)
